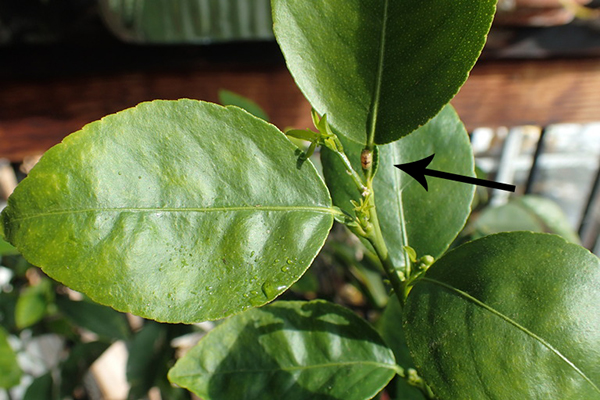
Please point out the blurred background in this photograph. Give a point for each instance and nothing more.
(531, 106)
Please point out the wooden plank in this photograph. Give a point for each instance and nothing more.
(530, 92)
(37, 113)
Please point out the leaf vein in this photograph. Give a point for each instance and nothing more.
(315, 209)
(400, 202)
(300, 367)
(515, 324)
(379, 78)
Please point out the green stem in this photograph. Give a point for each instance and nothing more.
(355, 176)
(371, 230)
(375, 237)
(411, 377)
(415, 380)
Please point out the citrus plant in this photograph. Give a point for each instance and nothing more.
(185, 211)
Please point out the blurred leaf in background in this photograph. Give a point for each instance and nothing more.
(185, 21)
(33, 303)
(228, 98)
(150, 357)
(525, 213)
(7, 249)
(10, 372)
(40, 388)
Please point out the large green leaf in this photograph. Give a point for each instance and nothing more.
(288, 350)
(386, 65)
(178, 211)
(409, 215)
(10, 372)
(512, 315)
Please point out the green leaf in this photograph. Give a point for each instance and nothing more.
(142, 362)
(178, 211)
(390, 328)
(381, 65)
(527, 213)
(150, 356)
(6, 249)
(184, 21)
(8, 305)
(228, 98)
(512, 315)
(32, 303)
(410, 216)
(288, 350)
(551, 217)
(10, 372)
(40, 388)
(31, 307)
(107, 323)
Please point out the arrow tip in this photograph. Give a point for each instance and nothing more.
(416, 169)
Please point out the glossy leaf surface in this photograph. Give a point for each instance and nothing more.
(426, 221)
(512, 315)
(10, 372)
(178, 211)
(288, 350)
(393, 64)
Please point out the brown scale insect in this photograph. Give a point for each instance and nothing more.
(366, 158)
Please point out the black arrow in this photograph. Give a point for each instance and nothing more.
(418, 170)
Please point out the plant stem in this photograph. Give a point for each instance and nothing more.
(372, 230)
(375, 237)
(355, 176)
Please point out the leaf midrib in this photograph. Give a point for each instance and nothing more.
(257, 208)
(515, 324)
(391, 367)
(379, 77)
(400, 202)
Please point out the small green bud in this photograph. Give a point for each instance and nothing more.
(412, 254)
(425, 262)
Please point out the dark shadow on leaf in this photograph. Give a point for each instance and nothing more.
(250, 372)
(320, 319)
(301, 158)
